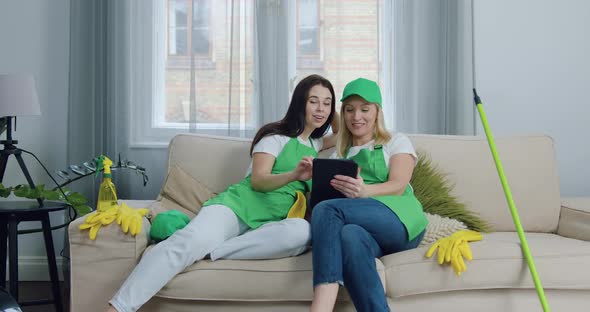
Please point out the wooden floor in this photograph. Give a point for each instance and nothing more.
(39, 291)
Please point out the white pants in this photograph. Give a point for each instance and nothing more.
(217, 231)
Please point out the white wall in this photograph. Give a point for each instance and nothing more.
(532, 68)
(533, 74)
(34, 39)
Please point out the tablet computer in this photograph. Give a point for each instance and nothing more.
(323, 171)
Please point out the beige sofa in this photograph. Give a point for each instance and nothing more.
(558, 231)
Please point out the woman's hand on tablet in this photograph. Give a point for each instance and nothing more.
(350, 187)
(303, 171)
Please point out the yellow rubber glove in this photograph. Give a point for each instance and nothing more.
(454, 249)
(461, 252)
(461, 249)
(299, 207)
(442, 245)
(97, 219)
(131, 220)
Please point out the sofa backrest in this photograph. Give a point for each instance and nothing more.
(530, 168)
(528, 161)
(214, 161)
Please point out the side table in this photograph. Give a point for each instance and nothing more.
(11, 214)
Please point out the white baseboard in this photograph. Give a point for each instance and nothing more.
(35, 268)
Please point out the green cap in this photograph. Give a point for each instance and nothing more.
(166, 223)
(365, 88)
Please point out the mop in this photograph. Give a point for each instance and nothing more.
(523, 242)
(454, 248)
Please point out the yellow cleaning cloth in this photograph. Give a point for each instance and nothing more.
(299, 207)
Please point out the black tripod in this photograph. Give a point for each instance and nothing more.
(11, 149)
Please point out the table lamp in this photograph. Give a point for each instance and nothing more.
(18, 97)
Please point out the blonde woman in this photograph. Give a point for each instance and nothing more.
(380, 215)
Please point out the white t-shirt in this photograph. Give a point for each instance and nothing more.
(399, 144)
(274, 144)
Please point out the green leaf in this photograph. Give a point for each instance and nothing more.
(5, 192)
(76, 199)
(82, 209)
(52, 195)
(22, 190)
(35, 193)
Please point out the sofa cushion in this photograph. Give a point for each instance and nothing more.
(530, 166)
(217, 162)
(182, 190)
(498, 262)
(164, 204)
(529, 163)
(287, 279)
(434, 192)
(574, 220)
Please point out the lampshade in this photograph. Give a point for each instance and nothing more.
(18, 96)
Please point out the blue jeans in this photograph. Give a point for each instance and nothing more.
(347, 235)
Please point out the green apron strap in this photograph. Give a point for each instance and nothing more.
(378, 160)
(406, 206)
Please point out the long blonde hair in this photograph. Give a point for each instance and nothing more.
(344, 140)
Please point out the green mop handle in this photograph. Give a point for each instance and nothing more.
(513, 211)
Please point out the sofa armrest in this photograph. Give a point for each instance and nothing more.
(137, 203)
(98, 268)
(574, 219)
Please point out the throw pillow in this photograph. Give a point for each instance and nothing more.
(182, 190)
(166, 223)
(434, 192)
(163, 204)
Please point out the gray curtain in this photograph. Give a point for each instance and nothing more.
(432, 66)
(98, 99)
(272, 59)
(104, 80)
(87, 122)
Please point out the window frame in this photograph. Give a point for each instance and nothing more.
(311, 61)
(149, 46)
(146, 46)
(183, 61)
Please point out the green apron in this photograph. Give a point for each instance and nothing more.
(257, 208)
(406, 206)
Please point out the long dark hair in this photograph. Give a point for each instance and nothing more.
(293, 123)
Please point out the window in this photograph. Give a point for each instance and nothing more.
(340, 40)
(189, 25)
(196, 69)
(211, 85)
(308, 34)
